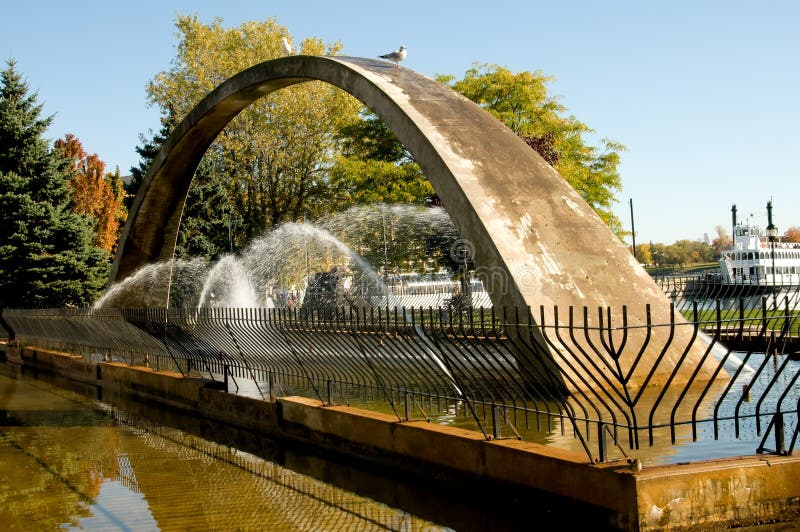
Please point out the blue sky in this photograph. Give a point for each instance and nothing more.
(704, 94)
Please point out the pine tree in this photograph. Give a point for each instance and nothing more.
(205, 229)
(208, 221)
(46, 254)
(147, 152)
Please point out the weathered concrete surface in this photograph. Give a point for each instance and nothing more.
(166, 387)
(705, 495)
(64, 364)
(536, 241)
(745, 490)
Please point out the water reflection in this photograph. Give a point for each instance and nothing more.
(64, 463)
(70, 462)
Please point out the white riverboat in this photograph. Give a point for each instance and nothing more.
(758, 260)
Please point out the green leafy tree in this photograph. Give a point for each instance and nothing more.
(685, 252)
(644, 253)
(375, 167)
(273, 158)
(368, 138)
(521, 102)
(659, 253)
(46, 252)
(359, 182)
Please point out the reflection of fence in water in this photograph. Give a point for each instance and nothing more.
(313, 504)
(470, 367)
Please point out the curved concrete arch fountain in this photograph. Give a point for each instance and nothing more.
(535, 240)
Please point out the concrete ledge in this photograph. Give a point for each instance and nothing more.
(244, 412)
(744, 490)
(543, 468)
(441, 445)
(166, 387)
(67, 365)
(562, 473)
(704, 495)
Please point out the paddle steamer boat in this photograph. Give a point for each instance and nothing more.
(757, 257)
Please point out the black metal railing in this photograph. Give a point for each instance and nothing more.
(561, 376)
(744, 309)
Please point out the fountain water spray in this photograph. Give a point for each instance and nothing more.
(284, 260)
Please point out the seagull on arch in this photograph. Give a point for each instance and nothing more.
(396, 56)
(287, 47)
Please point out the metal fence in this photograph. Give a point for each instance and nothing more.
(741, 311)
(478, 368)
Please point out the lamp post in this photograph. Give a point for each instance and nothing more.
(772, 235)
(385, 257)
(633, 231)
(305, 244)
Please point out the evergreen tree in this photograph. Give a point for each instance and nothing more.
(205, 229)
(147, 152)
(208, 222)
(46, 254)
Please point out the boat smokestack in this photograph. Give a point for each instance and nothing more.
(772, 229)
(769, 214)
(733, 215)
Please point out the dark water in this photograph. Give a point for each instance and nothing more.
(70, 461)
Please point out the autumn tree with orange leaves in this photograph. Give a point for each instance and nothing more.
(792, 234)
(94, 193)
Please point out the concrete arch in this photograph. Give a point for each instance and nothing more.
(536, 241)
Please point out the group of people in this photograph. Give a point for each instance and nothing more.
(283, 298)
